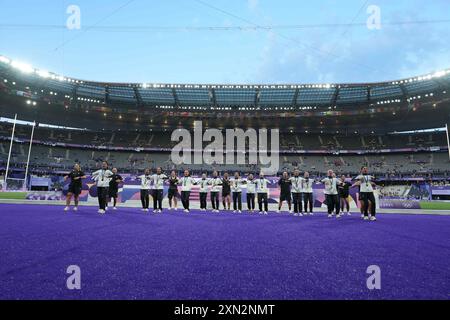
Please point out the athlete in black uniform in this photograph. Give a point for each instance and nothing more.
(114, 187)
(285, 191)
(226, 191)
(173, 193)
(344, 193)
(75, 186)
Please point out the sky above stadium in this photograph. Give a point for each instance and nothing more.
(220, 41)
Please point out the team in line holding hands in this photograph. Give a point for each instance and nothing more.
(297, 189)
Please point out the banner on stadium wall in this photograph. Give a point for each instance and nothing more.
(399, 204)
(440, 190)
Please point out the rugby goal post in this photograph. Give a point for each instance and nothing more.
(448, 140)
(17, 183)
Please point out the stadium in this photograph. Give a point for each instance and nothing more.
(397, 129)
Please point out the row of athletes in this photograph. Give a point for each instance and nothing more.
(297, 189)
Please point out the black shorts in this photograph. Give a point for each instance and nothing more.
(226, 193)
(112, 193)
(344, 195)
(285, 196)
(173, 193)
(74, 189)
(366, 196)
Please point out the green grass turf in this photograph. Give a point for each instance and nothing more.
(13, 195)
(435, 205)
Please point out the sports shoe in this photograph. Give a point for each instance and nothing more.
(349, 214)
(290, 211)
(114, 208)
(329, 216)
(295, 214)
(106, 208)
(372, 218)
(175, 208)
(338, 216)
(66, 209)
(362, 216)
(278, 211)
(239, 211)
(101, 211)
(265, 212)
(366, 218)
(75, 208)
(300, 214)
(186, 210)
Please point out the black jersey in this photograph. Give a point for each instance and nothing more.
(226, 186)
(285, 186)
(113, 184)
(173, 183)
(343, 189)
(76, 174)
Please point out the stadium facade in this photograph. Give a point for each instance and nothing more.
(338, 126)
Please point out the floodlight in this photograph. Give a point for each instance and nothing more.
(23, 67)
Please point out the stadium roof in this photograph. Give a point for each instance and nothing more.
(225, 97)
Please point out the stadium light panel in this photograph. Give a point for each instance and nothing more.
(439, 74)
(43, 73)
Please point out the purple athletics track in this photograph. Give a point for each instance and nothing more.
(130, 255)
